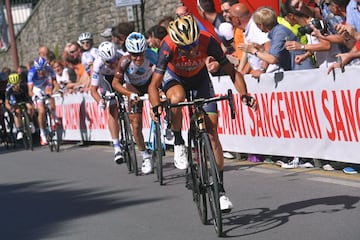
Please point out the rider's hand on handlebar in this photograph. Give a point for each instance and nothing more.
(156, 112)
(134, 97)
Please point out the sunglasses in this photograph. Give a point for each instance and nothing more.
(110, 61)
(73, 51)
(136, 54)
(40, 69)
(189, 47)
(85, 42)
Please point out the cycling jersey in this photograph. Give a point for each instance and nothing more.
(137, 75)
(170, 57)
(88, 57)
(15, 97)
(100, 69)
(44, 82)
(192, 74)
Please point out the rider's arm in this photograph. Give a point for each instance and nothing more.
(119, 76)
(153, 89)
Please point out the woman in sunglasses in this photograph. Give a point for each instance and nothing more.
(187, 55)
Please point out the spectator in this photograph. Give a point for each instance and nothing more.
(106, 34)
(73, 61)
(223, 29)
(266, 19)
(225, 8)
(119, 34)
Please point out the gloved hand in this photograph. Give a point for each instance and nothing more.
(134, 96)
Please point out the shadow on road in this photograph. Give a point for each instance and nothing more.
(252, 221)
(39, 210)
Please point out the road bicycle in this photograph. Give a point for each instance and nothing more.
(26, 126)
(127, 142)
(53, 135)
(203, 174)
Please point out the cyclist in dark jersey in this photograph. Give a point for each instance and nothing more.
(185, 57)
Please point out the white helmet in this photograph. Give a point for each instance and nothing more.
(85, 36)
(135, 43)
(107, 51)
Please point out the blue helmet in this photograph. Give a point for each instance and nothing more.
(40, 63)
(135, 43)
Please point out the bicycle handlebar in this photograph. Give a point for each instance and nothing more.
(203, 101)
(200, 102)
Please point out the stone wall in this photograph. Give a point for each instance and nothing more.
(56, 22)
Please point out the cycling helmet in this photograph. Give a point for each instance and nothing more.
(14, 78)
(135, 43)
(85, 36)
(184, 30)
(40, 63)
(107, 51)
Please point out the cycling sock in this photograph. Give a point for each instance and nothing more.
(221, 176)
(42, 132)
(178, 138)
(116, 145)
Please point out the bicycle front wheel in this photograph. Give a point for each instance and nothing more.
(195, 178)
(211, 180)
(130, 144)
(158, 152)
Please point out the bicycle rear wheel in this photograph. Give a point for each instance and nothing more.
(130, 144)
(158, 152)
(56, 138)
(211, 180)
(196, 178)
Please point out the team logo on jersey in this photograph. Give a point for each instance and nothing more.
(95, 76)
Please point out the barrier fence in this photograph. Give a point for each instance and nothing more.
(305, 113)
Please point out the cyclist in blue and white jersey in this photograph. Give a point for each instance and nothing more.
(103, 73)
(132, 78)
(40, 81)
(89, 52)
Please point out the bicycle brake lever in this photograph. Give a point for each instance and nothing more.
(231, 103)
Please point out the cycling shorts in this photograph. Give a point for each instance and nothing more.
(200, 85)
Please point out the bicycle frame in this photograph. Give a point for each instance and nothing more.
(204, 174)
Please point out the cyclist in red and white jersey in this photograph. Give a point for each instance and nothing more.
(101, 78)
(132, 78)
(185, 57)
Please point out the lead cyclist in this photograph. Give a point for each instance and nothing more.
(186, 55)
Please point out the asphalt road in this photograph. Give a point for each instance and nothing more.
(80, 193)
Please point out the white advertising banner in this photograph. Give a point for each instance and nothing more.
(307, 113)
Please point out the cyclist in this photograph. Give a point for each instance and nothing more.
(89, 52)
(101, 78)
(15, 94)
(186, 55)
(132, 78)
(40, 79)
